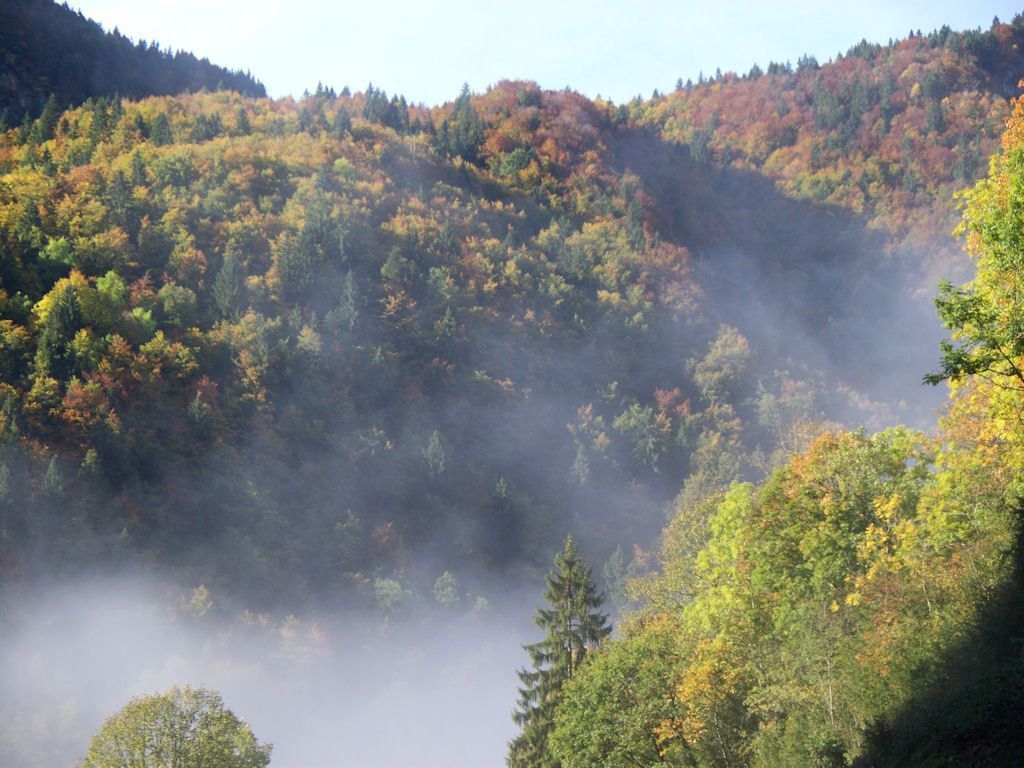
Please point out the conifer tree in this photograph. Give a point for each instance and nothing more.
(43, 128)
(54, 355)
(342, 123)
(160, 134)
(462, 132)
(574, 626)
(229, 287)
(242, 125)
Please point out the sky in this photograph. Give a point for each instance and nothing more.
(426, 50)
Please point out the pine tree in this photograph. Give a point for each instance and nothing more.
(242, 125)
(43, 128)
(54, 356)
(462, 132)
(342, 122)
(574, 626)
(160, 134)
(229, 287)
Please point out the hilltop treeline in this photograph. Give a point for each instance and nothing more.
(48, 50)
(312, 347)
(355, 351)
(887, 131)
(862, 605)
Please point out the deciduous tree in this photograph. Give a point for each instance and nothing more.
(182, 728)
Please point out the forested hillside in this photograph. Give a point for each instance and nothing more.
(308, 346)
(305, 373)
(862, 605)
(47, 50)
(889, 132)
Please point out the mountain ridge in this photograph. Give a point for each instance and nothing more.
(48, 50)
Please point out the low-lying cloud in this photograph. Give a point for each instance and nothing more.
(326, 690)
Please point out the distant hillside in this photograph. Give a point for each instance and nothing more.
(888, 132)
(47, 48)
(342, 343)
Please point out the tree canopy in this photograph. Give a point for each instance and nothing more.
(862, 604)
(573, 627)
(181, 728)
(52, 56)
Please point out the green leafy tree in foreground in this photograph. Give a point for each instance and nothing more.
(182, 728)
(574, 625)
(986, 316)
(611, 712)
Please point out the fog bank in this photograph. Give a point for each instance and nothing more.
(326, 691)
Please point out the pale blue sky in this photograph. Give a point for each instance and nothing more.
(426, 50)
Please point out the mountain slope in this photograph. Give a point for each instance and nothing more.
(886, 131)
(299, 347)
(48, 49)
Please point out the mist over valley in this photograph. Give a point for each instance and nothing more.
(322, 417)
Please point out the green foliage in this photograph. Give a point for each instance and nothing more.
(341, 124)
(966, 711)
(140, 326)
(446, 590)
(790, 617)
(160, 133)
(986, 316)
(719, 374)
(57, 258)
(184, 727)
(112, 285)
(611, 712)
(615, 574)
(54, 355)
(646, 432)
(573, 627)
(177, 305)
(390, 596)
(462, 131)
(229, 288)
(378, 108)
(242, 125)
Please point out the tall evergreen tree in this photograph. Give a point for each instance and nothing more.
(160, 133)
(574, 625)
(462, 132)
(229, 287)
(341, 123)
(54, 356)
(43, 128)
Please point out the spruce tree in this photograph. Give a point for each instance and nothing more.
(160, 134)
(462, 132)
(342, 123)
(574, 626)
(54, 356)
(229, 287)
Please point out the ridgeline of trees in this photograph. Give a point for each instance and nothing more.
(48, 50)
(862, 605)
(886, 131)
(328, 349)
(295, 345)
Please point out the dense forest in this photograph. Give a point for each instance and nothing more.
(345, 351)
(319, 338)
(862, 604)
(50, 52)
